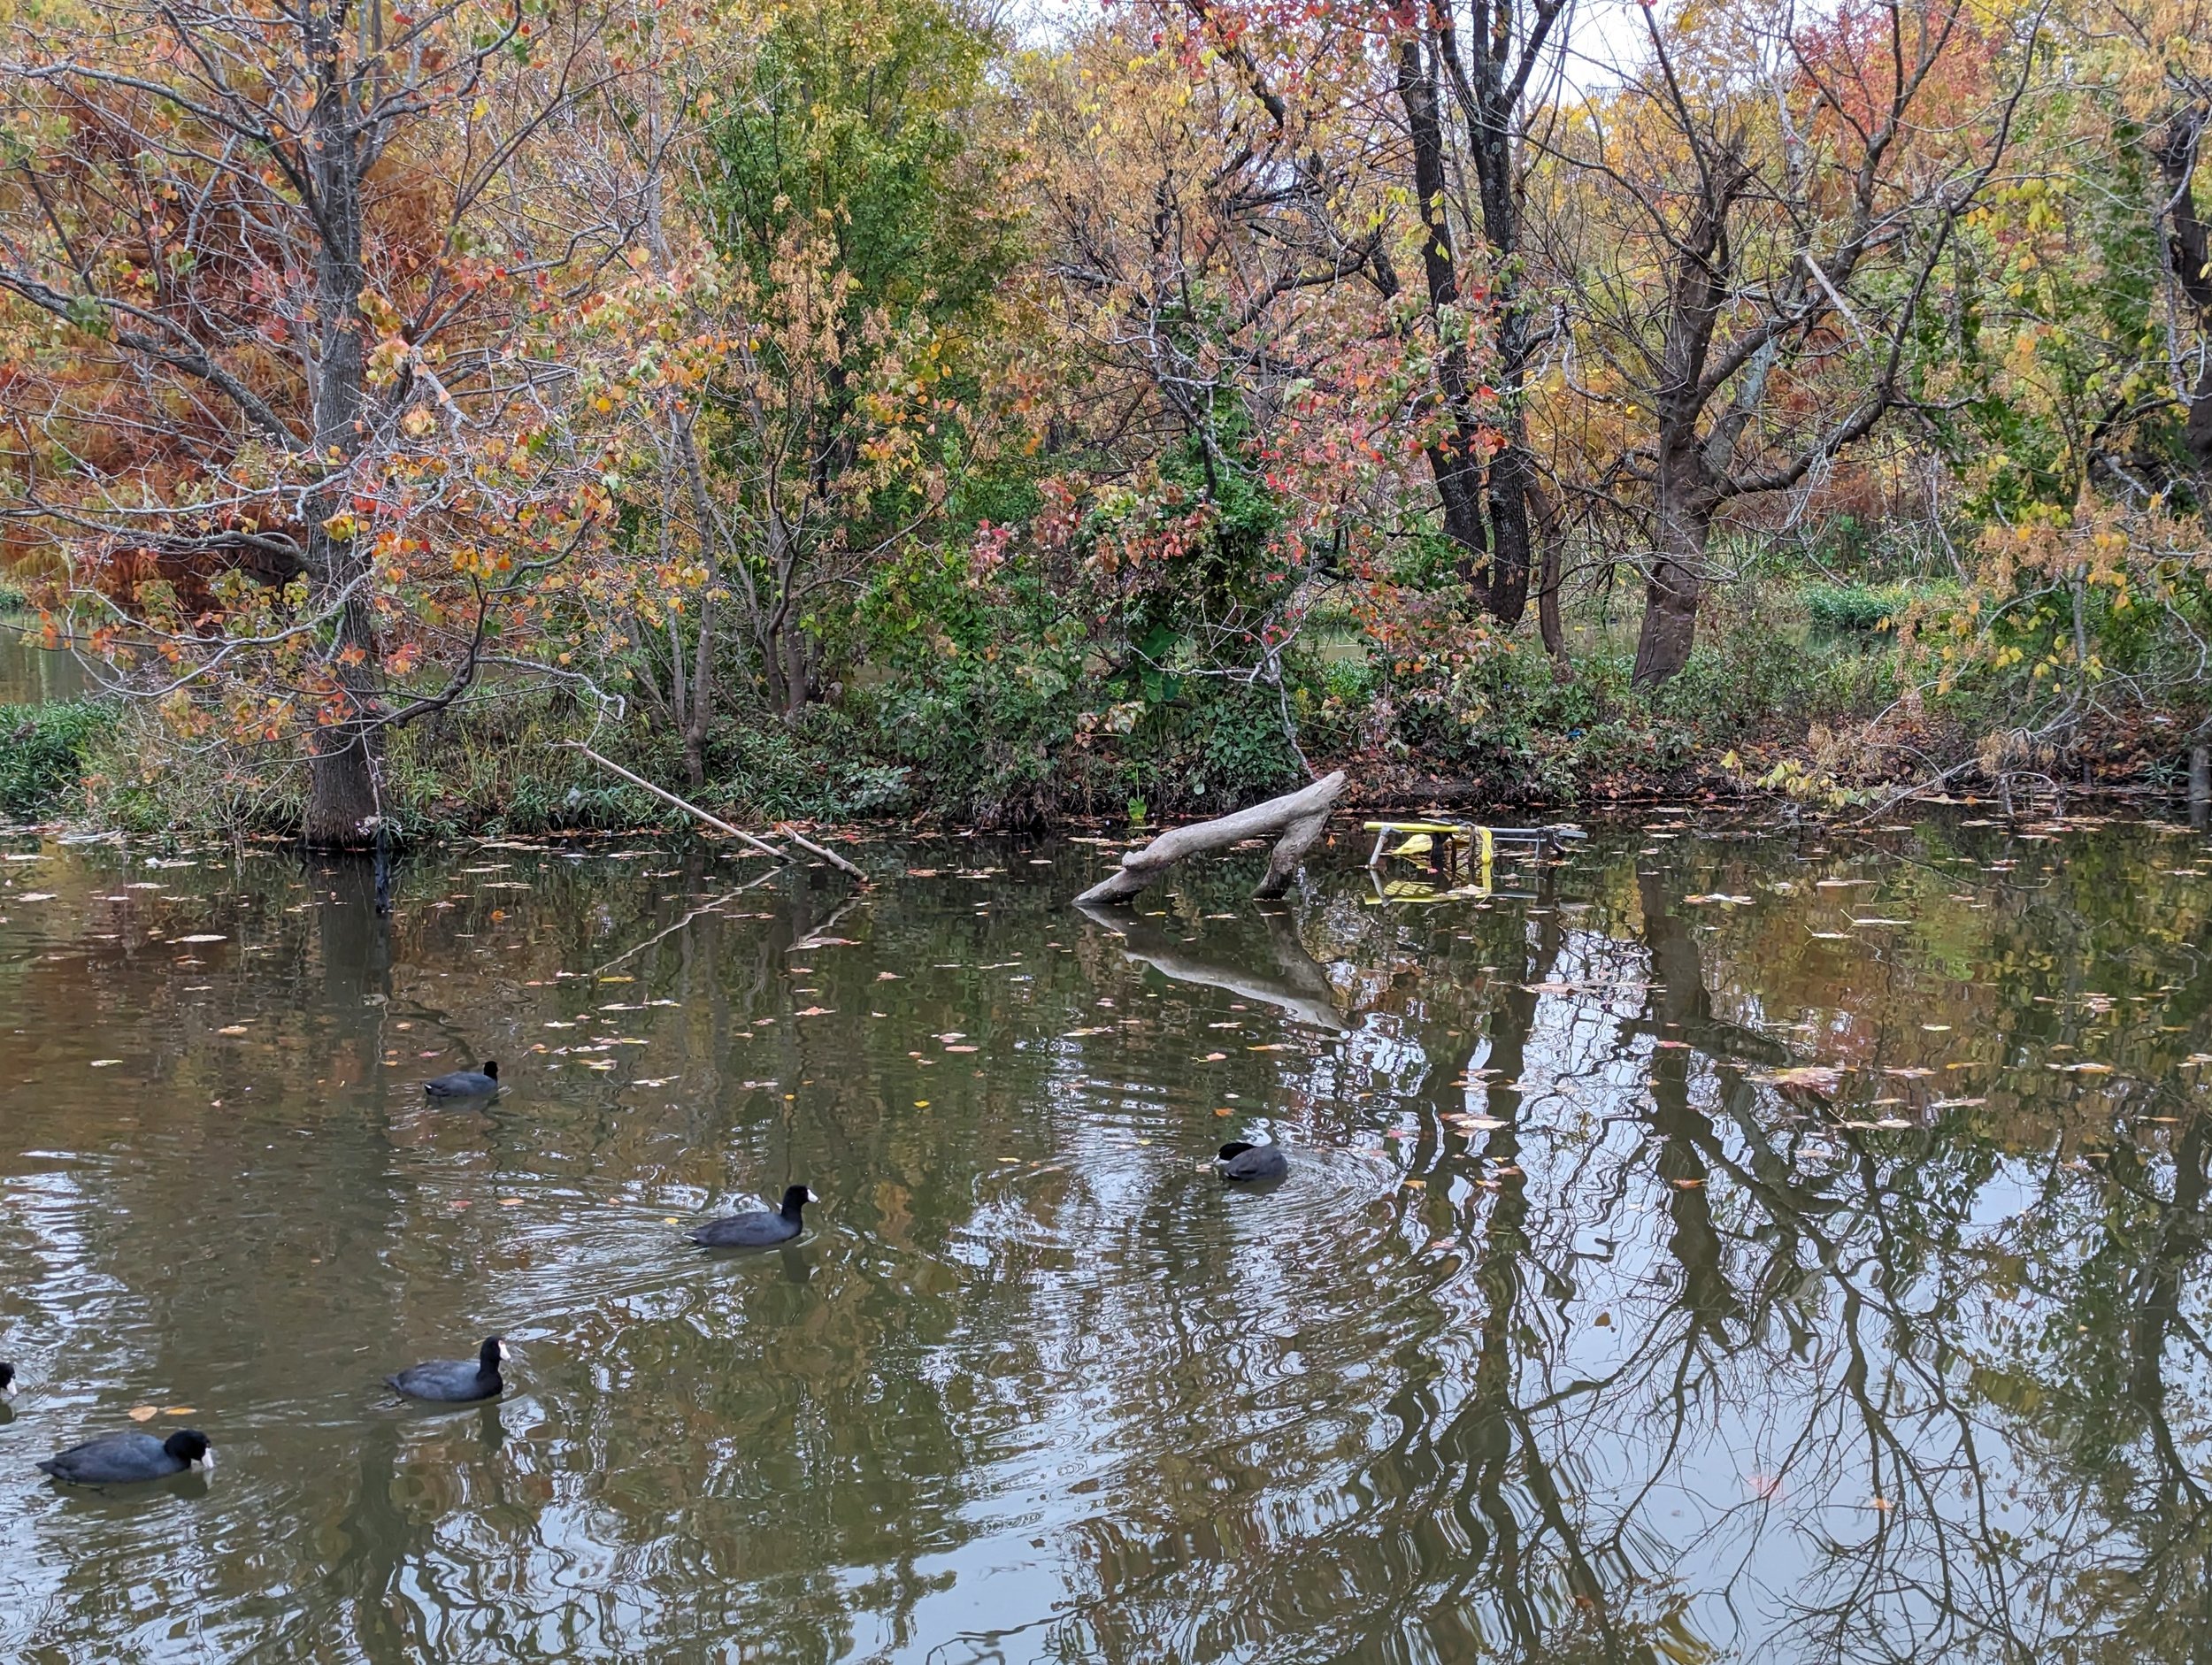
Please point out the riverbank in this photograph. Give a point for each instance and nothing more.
(1801, 693)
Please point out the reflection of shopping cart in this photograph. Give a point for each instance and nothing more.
(1461, 856)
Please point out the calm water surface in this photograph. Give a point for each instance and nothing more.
(1724, 1243)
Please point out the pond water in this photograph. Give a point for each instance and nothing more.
(1723, 1242)
(30, 673)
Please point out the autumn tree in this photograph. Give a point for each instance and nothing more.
(284, 282)
(1743, 237)
(848, 185)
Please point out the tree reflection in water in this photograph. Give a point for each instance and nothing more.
(1597, 1320)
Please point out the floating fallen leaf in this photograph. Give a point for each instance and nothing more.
(815, 1011)
(1225, 1112)
(1213, 1057)
(181, 1410)
(48, 895)
(961, 1048)
(1822, 1077)
(596, 1063)
(231, 1029)
(886, 976)
(1936, 1029)
(510, 1203)
(144, 1413)
(203, 937)
(1688, 1184)
(655, 1080)
(105, 1064)
(1272, 1046)
(921, 1104)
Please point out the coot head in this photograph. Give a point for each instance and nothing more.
(796, 1197)
(490, 1354)
(491, 1068)
(7, 1381)
(190, 1445)
(1233, 1149)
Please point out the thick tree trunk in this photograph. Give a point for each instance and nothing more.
(2189, 256)
(1672, 590)
(342, 798)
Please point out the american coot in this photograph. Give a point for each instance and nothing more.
(455, 1381)
(759, 1229)
(121, 1458)
(466, 1084)
(1241, 1161)
(7, 1381)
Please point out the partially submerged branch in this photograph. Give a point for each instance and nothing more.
(1295, 820)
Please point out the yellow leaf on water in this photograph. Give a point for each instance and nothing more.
(181, 1410)
(143, 1412)
(510, 1203)
(231, 1029)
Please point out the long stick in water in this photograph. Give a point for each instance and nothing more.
(831, 857)
(719, 825)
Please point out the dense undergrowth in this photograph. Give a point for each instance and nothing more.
(1801, 688)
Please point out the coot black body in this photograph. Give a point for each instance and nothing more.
(1242, 1162)
(7, 1382)
(759, 1229)
(124, 1459)
(455, 1381)
(466, 1084)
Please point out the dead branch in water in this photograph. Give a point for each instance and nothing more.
(1295, 819)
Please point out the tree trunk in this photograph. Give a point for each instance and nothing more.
(702, 709)
(2189, 256)
(798, 687)
(1456, 461)
(342, 796)
(1672, 590)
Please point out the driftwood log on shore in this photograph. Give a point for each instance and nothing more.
(1294, 820)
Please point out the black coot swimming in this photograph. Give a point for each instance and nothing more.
(1241, 1161)
(759, 1229)
(119, 1459)
(455, 1381)
(466, 1084)
(7, 1382)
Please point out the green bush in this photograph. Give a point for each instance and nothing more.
(43, 750)
(1860, 608)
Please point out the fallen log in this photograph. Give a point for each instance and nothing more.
(1295, 820)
